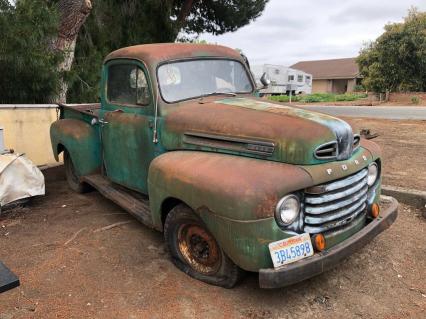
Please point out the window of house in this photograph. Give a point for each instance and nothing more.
(277, 71)
(300, 78)
(308, 79)
(127, 84)
(291, 78)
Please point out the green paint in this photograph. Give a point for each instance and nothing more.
(125, 147)
(82, 143)
(127, 138)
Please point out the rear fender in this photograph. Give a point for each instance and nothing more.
(82, 142)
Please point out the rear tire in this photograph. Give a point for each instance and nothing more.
(195, 251)
(72, 178)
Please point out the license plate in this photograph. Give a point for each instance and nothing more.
(291, 249)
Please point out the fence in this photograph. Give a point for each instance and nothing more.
(26, 130)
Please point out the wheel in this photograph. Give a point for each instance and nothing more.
(72, 178)
(195, 251)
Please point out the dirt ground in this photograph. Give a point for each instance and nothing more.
(68, 269)
(404, 150)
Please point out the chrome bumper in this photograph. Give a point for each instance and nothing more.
(320, 262)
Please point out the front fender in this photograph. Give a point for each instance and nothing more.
(82, 142)
(233, 187)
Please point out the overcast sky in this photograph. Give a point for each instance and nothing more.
(291, 31)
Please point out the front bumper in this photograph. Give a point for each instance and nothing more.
(320, 262)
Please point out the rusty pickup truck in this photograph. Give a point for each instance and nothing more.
(235, 183)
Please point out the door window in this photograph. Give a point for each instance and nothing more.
(127, 84)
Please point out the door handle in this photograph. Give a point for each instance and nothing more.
(96, 121)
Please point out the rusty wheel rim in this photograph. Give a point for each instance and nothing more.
(199, 248)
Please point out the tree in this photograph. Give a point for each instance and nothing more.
(396, 61)
(28, 67)
(114, 23)
(72, 15)
(215, 16)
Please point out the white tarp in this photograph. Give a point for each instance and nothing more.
(19, 178)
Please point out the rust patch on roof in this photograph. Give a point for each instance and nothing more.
(159, 52)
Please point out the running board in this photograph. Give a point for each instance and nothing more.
(134, 203)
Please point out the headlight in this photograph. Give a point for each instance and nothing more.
(373, 172)
(287, 210)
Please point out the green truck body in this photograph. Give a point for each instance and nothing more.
(179, 124)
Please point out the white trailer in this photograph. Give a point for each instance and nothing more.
(283, 79)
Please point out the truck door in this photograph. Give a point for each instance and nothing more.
(128, 114)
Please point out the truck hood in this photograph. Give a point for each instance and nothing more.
(255, 128)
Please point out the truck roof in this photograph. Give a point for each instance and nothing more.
(159, 52)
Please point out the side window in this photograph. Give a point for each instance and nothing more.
(127, 84)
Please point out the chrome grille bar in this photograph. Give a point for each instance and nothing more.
(336, 223)
(336, 204)
(335, 214)
(329, 197)
(339, 184)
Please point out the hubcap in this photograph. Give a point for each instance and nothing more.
(199, 249)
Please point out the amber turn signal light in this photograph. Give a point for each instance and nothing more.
(374, 210)
(318, 240)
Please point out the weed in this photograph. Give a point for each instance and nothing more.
(415, 100)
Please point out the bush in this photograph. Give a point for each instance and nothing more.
(28, 67)
(359, 88)
(415, 100)
(284, 98)
(350, 96)
(320, 97)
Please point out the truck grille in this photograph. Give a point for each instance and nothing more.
(335, 204)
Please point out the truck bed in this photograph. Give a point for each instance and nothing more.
(88, 108)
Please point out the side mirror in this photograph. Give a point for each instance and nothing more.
(265, 80)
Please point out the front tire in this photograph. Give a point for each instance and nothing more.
(72, 177)
(195, 251)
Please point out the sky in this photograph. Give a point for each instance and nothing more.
(292, 31)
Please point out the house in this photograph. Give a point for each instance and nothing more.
(331, 76)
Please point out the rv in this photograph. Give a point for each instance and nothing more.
(283, 80)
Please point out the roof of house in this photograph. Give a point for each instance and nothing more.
(329, 69)
(159, 52)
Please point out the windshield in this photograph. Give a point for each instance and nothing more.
(184, 80)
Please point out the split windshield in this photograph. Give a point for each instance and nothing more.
(184, 80)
